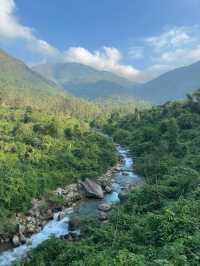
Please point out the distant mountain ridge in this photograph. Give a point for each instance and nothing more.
(173, 85)
(86, 82)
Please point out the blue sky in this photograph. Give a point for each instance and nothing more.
(138, 39)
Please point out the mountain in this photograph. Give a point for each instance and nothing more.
(173, 85)
(84, 81)
(15, 75)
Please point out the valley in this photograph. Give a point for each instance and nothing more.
(52, 143)
(63, 227)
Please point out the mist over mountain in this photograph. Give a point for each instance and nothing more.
(86, 82)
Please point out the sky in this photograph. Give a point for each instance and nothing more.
(136, 39)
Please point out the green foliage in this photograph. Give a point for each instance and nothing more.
(40, 152)
(159, 225)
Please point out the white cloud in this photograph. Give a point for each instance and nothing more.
(181, 56)
(176, 47)
(173, 38)
(12, 29)
(171, 49)
(108, 59)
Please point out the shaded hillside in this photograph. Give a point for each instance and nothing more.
(173, 85)
(84, 81)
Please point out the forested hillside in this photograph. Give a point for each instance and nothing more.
(46, 140)
(159, 224)
(14, 74)
(39, 153)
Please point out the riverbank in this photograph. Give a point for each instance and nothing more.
(42, 211)
(122, 179)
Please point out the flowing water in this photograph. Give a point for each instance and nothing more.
(87, 208)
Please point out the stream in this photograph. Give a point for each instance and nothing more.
(87, 208)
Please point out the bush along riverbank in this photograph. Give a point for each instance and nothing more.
(38, 154)
(98, 197)
(58, 202)
(159, 224)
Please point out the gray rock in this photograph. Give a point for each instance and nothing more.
(49, 214)
(59, 191)
(92, 189)
(16, 240)
(125, 174)
(108, 189)
(22, 239)
(123, 196)
(104, 207)
(28, 241)
(30, 228)
(102, 216)
(21, 228)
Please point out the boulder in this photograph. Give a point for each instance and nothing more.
(29, 241)
(30, 228)
(92, 189)
(108, 189)
(102, 216)
(16, 240)
(49, 214)
(123, 195)
(104, 207)
(125, 174)
(59, 191)
(117, 169)
(20, 228)
(22, 239)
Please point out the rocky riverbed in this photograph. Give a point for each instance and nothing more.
(82, 200)
(38, 216)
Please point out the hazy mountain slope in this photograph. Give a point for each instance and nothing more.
(173, 85)
(14, 74)
(102, 89)
(77, 73)
(84, 81)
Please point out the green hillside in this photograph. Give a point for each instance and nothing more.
(159, 224)
(14, 74)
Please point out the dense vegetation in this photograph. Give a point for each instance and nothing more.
(49, 143)
(39, 153)
(159, 225)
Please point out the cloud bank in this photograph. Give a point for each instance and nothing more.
(107, 59)
(172, 48)
(11, 29)
(177, 47)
